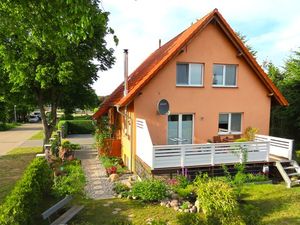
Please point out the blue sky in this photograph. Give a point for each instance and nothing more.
(271, 26)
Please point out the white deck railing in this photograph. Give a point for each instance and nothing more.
(168, 156)
(281, 147)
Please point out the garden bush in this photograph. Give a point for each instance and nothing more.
(22, 203)
(63, 126)
(81, 126)
(71, 182)
(218, 201)
(149, 190)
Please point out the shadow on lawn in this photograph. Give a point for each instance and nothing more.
(12, 167)
(256, 210)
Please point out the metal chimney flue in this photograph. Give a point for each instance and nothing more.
(125, 72)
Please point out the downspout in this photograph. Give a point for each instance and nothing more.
(131, 131)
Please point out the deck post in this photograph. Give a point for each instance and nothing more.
(212, 155)
(182, 148)
(268, 151)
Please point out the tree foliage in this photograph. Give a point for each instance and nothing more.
(245, 41)
(52, 50)
(285, 121)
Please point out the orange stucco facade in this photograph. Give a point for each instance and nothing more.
(208, 47)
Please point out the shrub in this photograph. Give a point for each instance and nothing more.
(190, 219)
(63, 126)
(150, 190)
(72, 182)
(187, 192)
(218, 201)
(54, 144)
(120, 188)
(81, 126)
(22, 203)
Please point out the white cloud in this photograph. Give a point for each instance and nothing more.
(140, 23)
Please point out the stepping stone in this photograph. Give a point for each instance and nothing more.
(106, 205)
(115, 212)
(99, 192)
(117, 209)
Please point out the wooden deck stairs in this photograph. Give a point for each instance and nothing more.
(290, 172)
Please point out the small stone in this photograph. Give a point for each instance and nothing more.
(134, 197)
(176, 208)
(113, 177)
(117, 209)
(163, 203)
(179, 210)
(115, 212)
(197, 205)
(174, 202)
(106, 205)
(193, 209)
(120, 196)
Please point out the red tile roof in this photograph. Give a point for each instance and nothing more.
(156, 61)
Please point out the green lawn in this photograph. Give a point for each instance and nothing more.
(12, 166)
(276, 204)
(38, 136)
(273, 204)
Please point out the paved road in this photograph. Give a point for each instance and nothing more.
(16, 137)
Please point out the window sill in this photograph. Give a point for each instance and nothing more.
(192, 86)
(229, 133)
(223, 86)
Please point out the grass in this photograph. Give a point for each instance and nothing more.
(275, 204)
(12, 166)
(95, 212)
(8, 126)
(38, 136)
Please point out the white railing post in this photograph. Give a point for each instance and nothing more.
(291, 149)
(241, 152)
(153, 158)
(212, 149)
(268, 151)
(182, 151)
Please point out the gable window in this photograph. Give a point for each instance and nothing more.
(224, 75)
(189, 74)
(230, 123)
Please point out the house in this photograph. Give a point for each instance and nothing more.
(202, 83)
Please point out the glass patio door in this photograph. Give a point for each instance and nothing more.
(180, 129)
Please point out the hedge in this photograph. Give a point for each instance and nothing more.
(63, 126)
(23, 202)
(76, 127)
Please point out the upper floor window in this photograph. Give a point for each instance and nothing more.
(224, 75)
(230, 123)
(189, 74)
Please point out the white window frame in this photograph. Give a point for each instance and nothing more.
(189, 81)
(229, 123)
(224, 75)
(180, 125)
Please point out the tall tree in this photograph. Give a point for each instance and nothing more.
(245, 41)
(285, 121)
(48, 47)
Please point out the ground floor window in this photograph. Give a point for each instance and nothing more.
(230, 123)
(180, 129)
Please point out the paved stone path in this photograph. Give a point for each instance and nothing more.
(97, 187)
